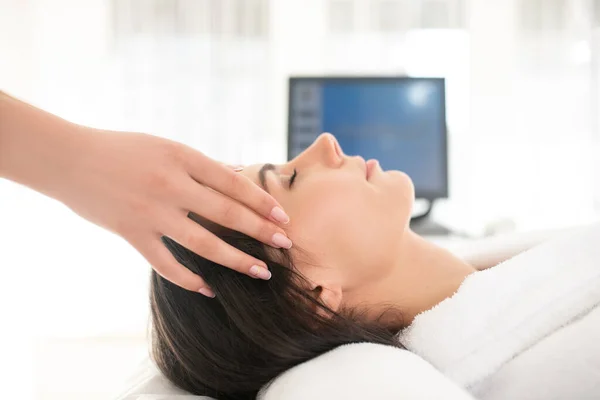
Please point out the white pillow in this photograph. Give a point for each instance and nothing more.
(351, 372)
(364, 371)
(147, 383)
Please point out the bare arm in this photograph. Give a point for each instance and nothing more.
(36, 148)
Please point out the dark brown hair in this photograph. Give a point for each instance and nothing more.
(231, 346)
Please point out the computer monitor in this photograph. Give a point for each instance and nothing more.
(401, 121)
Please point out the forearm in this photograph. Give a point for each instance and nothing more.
(37, 149)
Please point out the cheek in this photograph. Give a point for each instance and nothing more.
(319, 215)
(354, 226)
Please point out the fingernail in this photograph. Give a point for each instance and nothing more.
(207, 292)
(235, 168)
(281, 240)
(279, 215)
(260, 272)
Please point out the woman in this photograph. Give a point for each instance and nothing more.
(356, 273)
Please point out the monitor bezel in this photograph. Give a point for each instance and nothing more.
(443, 193)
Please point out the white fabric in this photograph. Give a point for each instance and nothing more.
(147, 383)
(351, 372)
(490, 251)
(364, 371)
(510, 317)
(564, 365)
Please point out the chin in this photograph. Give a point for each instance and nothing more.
(404, 184)
(403, 197)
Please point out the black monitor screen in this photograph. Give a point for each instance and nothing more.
(399, 121)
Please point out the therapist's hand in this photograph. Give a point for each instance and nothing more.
(141, 187)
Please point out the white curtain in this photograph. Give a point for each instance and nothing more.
(534, 111)
(194, 71)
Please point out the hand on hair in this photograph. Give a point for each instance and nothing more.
(139, 186)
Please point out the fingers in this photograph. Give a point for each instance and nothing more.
(227, 181)
(166, 266)
(233, 215)
(204, 243)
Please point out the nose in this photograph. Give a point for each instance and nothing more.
(325, 150)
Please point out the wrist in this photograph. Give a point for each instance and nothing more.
(63, 161)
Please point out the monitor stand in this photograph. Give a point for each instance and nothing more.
(423, 224)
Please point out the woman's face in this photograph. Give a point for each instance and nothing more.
(347, 215)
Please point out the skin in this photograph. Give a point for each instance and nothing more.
(351, 235)
(140, 187)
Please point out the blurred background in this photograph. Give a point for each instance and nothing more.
(522, 105)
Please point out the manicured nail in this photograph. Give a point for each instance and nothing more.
(207, 292)
(260, 272)
(235, 168)
(279, 215)
(280, 240)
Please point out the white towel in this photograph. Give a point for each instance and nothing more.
(499, 313)
(364, 371)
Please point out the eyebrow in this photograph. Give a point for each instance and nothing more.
(261, 175)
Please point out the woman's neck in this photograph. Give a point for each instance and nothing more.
(425, 275)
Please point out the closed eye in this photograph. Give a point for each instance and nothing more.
(293, 177)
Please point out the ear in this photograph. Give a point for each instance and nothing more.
(322, 284)
(328, 295)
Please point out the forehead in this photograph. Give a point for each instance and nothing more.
(251, 171)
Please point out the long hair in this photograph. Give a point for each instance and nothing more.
(230, 346)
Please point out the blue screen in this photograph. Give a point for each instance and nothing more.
(400, 122)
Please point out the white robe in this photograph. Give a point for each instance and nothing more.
(528, 328)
